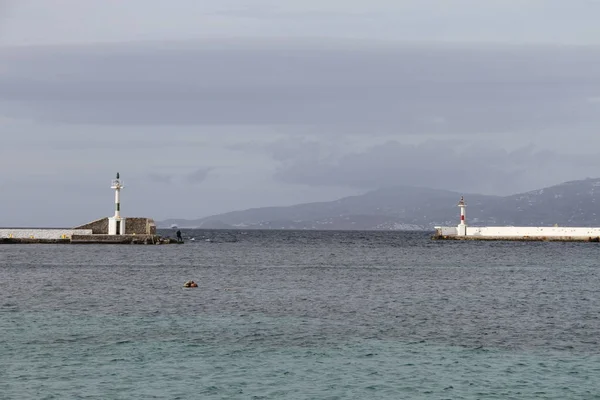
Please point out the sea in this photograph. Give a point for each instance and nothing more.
(301, 315)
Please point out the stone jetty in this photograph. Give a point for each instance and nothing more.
(138, 231)
(109, 230)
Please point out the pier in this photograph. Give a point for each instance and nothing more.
(47, 236)
(514, 233)
(520, 238)
(108, 230)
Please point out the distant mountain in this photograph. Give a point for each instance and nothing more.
(572, 203)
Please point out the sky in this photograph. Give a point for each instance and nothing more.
(213, 106)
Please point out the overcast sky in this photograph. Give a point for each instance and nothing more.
(207, 107)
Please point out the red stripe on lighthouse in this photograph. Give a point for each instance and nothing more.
(462, 217)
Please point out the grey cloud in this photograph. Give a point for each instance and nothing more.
(293, 149)
(196, 176)
(440, 164)
(105, 143)
(245, 146)
(35, 21)
(404, 89)
(199, 175)
(56, 137)
(282, 13)
(160, 178)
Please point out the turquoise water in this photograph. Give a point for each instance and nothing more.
(301, 315)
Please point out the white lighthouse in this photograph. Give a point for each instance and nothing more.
(116, 224)
(462, 227)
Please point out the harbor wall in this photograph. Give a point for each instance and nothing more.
(520, 232)
(86, 237)
(98, 227)
(140, 226)
(114, 239)
(133, 226)
(43, 234)
(509, 231)
(138, 231)
(446, 230)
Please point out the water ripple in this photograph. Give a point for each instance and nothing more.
(328, 315)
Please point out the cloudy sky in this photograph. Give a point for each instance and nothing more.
(212, 106)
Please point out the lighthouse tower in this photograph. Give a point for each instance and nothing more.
(462, 227)
(116, 224)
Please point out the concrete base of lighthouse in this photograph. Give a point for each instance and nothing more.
(116, 226)
(462, 230)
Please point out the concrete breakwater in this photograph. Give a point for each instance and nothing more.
(121, 239)
(519, 238)
(519, 233)
(462, 231)
(41, 234)
(76, 236)
(109, 230)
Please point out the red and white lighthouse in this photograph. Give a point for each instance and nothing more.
(462, 227)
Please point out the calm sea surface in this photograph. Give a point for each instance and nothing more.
(301, 315)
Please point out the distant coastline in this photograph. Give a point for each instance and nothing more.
(569, 204)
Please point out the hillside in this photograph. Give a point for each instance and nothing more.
(411, 208)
